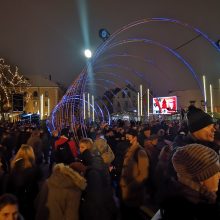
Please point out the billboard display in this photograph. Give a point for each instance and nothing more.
(165, 105)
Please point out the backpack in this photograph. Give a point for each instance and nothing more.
(63, 154)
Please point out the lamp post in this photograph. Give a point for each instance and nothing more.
(204, 91)
(48, 107)
(93, 109)
(211, 99)
(138, 106)
(41, 106)
(148, 103)
(84, 106)
(141, 101)
(88, 106)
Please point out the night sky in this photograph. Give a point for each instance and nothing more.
(48, 36)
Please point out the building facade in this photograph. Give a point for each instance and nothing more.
(125, 100)
(187, 97)
(42, 96)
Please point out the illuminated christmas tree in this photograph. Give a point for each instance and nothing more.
(11, 82)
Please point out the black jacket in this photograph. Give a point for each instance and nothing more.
(181, 202)
(97, 199)
(24, 184)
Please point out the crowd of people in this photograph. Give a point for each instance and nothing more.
(161, 170)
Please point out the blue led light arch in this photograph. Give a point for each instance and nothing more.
(79, 85)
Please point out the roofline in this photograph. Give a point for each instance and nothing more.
(43, 87)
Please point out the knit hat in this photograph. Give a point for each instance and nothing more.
(197, 119)
(196, 162)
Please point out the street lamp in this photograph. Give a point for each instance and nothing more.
(88, 53)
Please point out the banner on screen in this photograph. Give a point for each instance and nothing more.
(165, 105)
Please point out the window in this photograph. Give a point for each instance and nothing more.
(35, 94)
(46, 103)
(46, 94)
(35, 103)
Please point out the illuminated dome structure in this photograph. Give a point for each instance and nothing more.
(135, 55)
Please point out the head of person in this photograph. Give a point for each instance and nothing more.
(85, 144)
(131, 136)
(154, 139)
(161, 133)
(8, 207)
(65, 132)
(55, 133)
(151, 142)
(99, 135)
(109, 133)
(35, 133)
(196, 163)
(100, 144)
(85, 147)
(147, 131)
(26, 154)
(200, 124)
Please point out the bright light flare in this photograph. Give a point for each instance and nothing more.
(88, 53)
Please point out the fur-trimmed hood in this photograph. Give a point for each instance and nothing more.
(65, 177)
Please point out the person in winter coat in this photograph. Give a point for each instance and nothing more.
(104, 149)
(36, 143)
(144, 135)
(23, 180)
(63, 140)
(201, 129)
(8, 145)
(97, 199)
(60, 195)
(135, 172)
(193, 195)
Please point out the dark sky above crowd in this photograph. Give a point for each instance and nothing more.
(48, 36)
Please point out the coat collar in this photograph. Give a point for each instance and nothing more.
(76, 179)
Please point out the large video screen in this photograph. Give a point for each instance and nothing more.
(165, 105)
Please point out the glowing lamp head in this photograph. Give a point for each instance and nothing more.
(88, 53)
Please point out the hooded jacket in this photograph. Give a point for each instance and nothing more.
(60, 195)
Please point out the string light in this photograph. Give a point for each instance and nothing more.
(11, 82)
